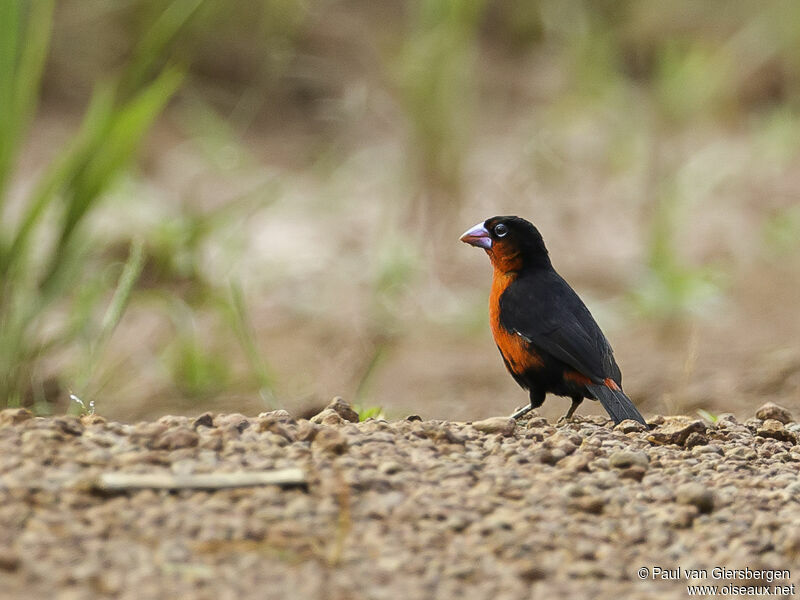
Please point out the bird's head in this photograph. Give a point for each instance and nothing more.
(512, 243)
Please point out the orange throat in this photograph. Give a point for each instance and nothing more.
(504, 258)
(506, 263)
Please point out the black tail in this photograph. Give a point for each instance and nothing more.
(618, 406)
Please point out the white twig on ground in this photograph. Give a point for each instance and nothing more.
(121, 482)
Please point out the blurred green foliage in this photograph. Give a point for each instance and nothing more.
(436, 75)
(624, 76)
(369, 412)
(42, 265)
(781, 232)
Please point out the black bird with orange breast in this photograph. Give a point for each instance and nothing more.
(546, 335)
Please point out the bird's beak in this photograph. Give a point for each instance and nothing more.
(478, 236)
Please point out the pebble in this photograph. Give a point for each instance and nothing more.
(770, 410)
(14, 416)
(175, 438)
(503, 425)
(695, 439)
(625, 458)
(204, 420)
(676, 430)
(772, 428)
(330, 440)
(339, 407)
(696, 494)
(630, 426)
(327, 417)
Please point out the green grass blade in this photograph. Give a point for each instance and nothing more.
(155, 41)
(9, 44)
(108, 157)
(21, 63)
(127, 129)
(243, 327)
(122, 294)
(57, 177)
(31, 63)
(116, 308)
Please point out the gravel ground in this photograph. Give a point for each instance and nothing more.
(404, 509)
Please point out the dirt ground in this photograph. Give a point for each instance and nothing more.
(400, 509)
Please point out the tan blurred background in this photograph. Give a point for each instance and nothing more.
(300, 197)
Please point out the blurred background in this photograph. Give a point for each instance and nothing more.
(221, 206)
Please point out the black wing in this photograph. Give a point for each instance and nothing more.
(543, 308)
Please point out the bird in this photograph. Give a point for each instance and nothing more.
(549, 341)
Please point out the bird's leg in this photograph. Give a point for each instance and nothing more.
(576, 402)
(537, 399)
(521, 412)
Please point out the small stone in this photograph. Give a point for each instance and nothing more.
(791, 543)
(695, 439)
(413, 418)
(726, 420)
(574, 490)
(634, 472)
(547, 456)
(676, 430)
(235, 421)
(144, 433)
(280, 415)
(204, 420)
(742, 452)
(173, 420)
(343, 409)
(579, 461)
(500, 519)
(504, 425)
(626, 458)
(772, 428)
(531, 570)
(327, 417)
(331, 440)
(93, 420)
(9, 560)
(271, 424)
(439, 432)
(593, 505)
(212, 441)
(14, 416)
(585, 569)
(69, 424)
(307, 431)
(752, 424)
(536, 422)
(770, 410)
(683, 516)
(630, 426)
(390, 468)
(175, 438)
(695, 494)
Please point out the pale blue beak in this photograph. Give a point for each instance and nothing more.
(478, 236)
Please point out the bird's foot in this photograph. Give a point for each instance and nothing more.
(521, 412)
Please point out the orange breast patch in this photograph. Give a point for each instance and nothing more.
(514, 348)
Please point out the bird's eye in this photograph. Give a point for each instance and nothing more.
(500, 230)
